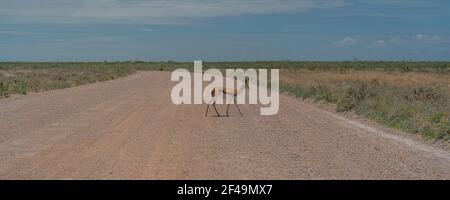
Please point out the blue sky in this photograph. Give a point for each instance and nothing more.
(186, 30)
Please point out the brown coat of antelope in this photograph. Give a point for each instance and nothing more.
(226, 91)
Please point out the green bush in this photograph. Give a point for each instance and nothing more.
(4, 91)
(20, 87)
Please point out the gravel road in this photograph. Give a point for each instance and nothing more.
(129, 129)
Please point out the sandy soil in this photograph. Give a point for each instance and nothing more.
(129, 129)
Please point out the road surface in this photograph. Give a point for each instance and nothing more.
(129, 129)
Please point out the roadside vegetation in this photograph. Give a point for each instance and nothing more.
(411, 96)
(415, 102)
(22, 78)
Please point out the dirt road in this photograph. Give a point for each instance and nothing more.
(129, 129)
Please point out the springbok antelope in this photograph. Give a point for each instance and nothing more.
(226, 91)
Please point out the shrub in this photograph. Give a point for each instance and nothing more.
(20, 87)
(4, 89)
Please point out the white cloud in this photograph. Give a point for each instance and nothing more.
(147, 11)
(345, 42)
(378, 43)
(426, 38)
(385, 42)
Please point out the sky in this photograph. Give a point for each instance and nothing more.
(227, 30)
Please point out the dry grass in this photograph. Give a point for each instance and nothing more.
(21, 78)
(307, 77)
(416, 102)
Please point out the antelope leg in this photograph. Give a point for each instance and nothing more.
(235, 102)
(207, 107)
(214, 106)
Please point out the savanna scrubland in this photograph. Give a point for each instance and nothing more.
(411, 96)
